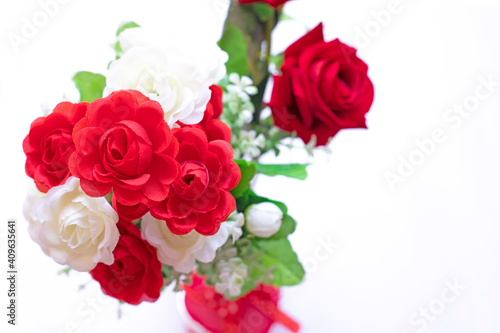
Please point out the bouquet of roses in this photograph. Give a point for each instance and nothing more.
(146, 181)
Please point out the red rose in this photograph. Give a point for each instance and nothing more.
(273, 3)
(200, 199)
(49, 145)
(214, 128)
(129, 213)
(323, 88)
(135, 276)
(124, 144)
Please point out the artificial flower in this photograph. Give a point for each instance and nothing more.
(200, 199)
(135, 276)
(263, 219)
(181, 251)
(123, 144)
(202, 53)
(232, 276)
(164, 77)
(71, 227)
(214, 128)
(323, 88)
(49, 145)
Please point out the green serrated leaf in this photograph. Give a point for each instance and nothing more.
(264, 11)
(278, 255)
(248, 171)
(90, 85)
(233, 42)
(297, 171)
(125, 26)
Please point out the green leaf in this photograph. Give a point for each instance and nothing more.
(122, 28)
(285, 17)
(288, 226)
(90, 85)
(277, 60)
(250, 198)
(297, 171)
(264, 11)
(125, 26)
(233, 42)
(65, 270)
(248, 171)
(278, 255)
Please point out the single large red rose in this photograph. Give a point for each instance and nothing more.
(124, 144)
(323, 88)
(49, 145)
(135, 276)
(200, 199)
(273, 3)
(215, 128)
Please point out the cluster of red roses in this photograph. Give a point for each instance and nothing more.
(122, 145)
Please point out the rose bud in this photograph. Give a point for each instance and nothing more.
(263, 219)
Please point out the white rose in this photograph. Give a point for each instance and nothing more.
(205, 55)
(181, 251)
(263, 219)
(32, 196)
(71, 227)
(164, 76)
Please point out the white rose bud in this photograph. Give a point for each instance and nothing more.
(71, 227)
(264, 219)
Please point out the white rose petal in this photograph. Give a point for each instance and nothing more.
(206, 56)
(71, 227)
(165, 76)
(263, 219)
(182, 251)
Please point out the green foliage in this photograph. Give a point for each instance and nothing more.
(277, 60)
(90, 85)
(278, 255)
(288, 224)
(248, 171)
(233, 42)
(122, 28)
(297, 171)
(285, 17)
(65, 271)
(125, 26)
(264, 11)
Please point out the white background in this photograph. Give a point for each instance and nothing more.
(396, 249)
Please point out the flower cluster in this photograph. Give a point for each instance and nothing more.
(147, 180)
